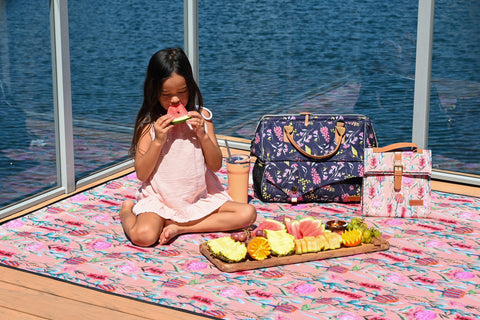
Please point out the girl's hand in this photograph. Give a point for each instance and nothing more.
(161, 127)
(197, 123)
(206, 136)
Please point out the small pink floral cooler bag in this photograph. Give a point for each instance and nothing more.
(396, 181)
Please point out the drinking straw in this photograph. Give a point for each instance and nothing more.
(228, 150)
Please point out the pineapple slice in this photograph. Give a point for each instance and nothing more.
(281, 242)
(334, 240)
(227, 249)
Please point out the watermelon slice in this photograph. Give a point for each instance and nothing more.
(304, 227)
(311, 227)
(178, 112)
(296, 229)
(288, 224)
(293, 227)
(269, 224)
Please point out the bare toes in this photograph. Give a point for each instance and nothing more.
(127, 205)
(127, 210)
(169, 232)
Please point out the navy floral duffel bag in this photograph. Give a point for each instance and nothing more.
(310, 157)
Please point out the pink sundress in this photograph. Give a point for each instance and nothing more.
(182, 188)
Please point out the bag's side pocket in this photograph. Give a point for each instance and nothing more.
(257, 176)
(265, 189)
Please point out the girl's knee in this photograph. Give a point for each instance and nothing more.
(144, 236)
(249, 214)
(252, 213)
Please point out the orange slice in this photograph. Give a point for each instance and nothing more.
(352, 238)
(258, 248)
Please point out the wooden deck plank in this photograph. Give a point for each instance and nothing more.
(456, 188)
(9, 314)
(52, 306)
(41, 296)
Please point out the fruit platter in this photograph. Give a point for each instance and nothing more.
(274, 243)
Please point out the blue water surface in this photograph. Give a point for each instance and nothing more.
(256, 57)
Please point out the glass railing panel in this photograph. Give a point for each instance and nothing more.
(27, 144)
(319, 56)
(111, 43)
(454, 135)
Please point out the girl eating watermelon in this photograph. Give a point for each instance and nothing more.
(176, 161)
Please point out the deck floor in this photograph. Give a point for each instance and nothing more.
(28, 296)
(24, 295)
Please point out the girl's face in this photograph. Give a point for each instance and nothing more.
(175, 86)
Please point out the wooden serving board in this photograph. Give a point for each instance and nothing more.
(377, 244)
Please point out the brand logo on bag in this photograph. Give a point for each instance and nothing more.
(416, 202)
(353, 199)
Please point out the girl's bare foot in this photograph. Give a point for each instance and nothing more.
(170, 231)
(127, 210)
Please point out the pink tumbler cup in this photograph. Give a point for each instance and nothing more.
(238, 168)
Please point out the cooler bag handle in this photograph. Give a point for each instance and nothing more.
(339, 138)
(398, 146)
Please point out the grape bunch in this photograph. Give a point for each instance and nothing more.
(360, 224)
(245, 235)
(241, 236)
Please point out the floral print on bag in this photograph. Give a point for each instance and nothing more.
(412, 200)
(283, 174)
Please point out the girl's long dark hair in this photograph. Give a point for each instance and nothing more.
(161, 66)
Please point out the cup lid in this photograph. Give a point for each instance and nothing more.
(238, 158)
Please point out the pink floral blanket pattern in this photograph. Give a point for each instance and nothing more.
(431, 271)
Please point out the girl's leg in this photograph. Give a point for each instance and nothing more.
(143, 230)
(230, 216)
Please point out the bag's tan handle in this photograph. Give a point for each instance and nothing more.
(339, 138)
(398, 146)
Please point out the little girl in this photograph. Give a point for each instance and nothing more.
(180, 192)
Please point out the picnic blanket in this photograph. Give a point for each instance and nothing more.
(431, 270)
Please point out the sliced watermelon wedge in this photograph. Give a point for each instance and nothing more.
(311, 227)
(292, 227)
(296, 229)
(304, 227)
(178, 112)
(288, 224)
(270, 224)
